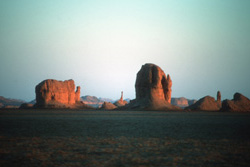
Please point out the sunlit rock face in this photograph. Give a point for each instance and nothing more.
(153, 89)
(108, 106)
(152, 84)
(55, 93)
(206, 103)
(239, 103)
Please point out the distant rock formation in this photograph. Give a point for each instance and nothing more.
(190, 102)
(92, 101)
(206, 103)
(121, 102)
(10, 103)
(108, 106)
(153, 89)
(218, 96)
(239, 103)
(182, 102)
(57, 94)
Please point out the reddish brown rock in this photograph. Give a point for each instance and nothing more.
(153, 89)
(53, 93)
(121, 102)
(239, 103)
(206, 103)
(108, 106)
(77, 94)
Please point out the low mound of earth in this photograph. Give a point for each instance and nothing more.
(108, 106)
(239, 103)
(206, 103)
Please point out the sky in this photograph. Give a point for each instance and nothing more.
(204, 45)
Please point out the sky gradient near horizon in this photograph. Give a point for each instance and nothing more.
(102, 44)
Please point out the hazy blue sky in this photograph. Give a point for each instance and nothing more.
(204, 45)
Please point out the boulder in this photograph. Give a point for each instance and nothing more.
(206, 103)
(153, 89)
(108, 106)
(56, 94)
(239, 103)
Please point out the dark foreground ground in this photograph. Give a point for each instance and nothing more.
(123, 138)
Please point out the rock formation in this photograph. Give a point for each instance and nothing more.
(10, 103)
(26, 106)
(153, 89)
(239, 103)
(181, 102)
(77, 94)
(206, 103)
(121, 102)
(190, 102)
(108, 106)
(218, 96)
(56, 94)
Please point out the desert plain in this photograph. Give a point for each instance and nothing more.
(63, 137)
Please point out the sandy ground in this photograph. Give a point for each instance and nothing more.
(123, 138)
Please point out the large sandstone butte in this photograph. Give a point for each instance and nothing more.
(153, 89)
(53, 93)
(239, 103)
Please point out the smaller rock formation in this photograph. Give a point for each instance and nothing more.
(121, 102)
(57, 94)
(218, 97)
(206, 103)
(108, 106)
(168, 90)
(239, 103)
(26, 106)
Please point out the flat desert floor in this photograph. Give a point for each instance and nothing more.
(123, 138)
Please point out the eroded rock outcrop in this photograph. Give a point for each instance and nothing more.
(206, 103)
(57, 94)
(239, 103)
(153, 89)
(26, 106)
(219, 96)
(121, 102)
(108, 106)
